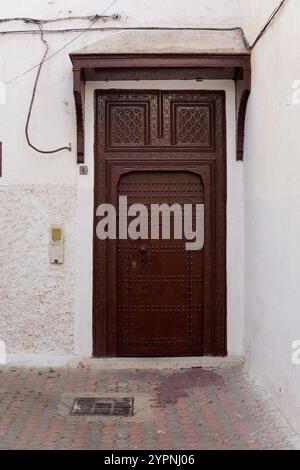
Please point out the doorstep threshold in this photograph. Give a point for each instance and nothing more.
(158, 363)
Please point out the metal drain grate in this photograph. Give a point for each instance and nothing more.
(102, 407)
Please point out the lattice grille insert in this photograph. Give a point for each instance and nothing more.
(102, 407)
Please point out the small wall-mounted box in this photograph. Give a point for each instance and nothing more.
(56, 244)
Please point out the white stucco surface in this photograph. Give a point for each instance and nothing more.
(46, 310)
(167, 41)
(272, 206)
(37, 299)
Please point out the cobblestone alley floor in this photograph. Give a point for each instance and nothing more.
(173, 409)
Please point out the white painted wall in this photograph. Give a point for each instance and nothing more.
(272, 205)
(45, 310)
(134, 13)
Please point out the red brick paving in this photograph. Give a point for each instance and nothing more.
(185, 409)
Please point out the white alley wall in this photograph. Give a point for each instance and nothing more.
(42, 311)
(272, 204)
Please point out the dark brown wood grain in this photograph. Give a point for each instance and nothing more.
(241, 118)
(176, 141)
(89, 67)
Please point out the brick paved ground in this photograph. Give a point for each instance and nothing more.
(182, 409)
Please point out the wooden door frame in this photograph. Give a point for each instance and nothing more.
(179, 66)
(103, 343)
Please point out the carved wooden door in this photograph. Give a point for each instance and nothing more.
(152, 297)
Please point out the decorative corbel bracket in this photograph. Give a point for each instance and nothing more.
(241, 118)
(78, 89)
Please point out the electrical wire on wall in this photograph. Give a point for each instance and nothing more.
(69, 147)
(268, 23)
(56, 20)
(39, 66)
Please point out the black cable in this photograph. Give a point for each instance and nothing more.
(268, 23)
(32, 101)
(39, 66)
(123, 28)
(56, 20)
(96, 18)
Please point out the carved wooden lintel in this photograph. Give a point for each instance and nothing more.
(245, 93)
(94, 67)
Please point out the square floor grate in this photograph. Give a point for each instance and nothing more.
(102, 407)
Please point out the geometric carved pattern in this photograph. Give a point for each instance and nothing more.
(127, 124)
(192, 125)
(159, 120)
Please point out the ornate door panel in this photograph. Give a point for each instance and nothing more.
(160, 285)
(153, 297)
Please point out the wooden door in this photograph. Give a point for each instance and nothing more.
(153, 297)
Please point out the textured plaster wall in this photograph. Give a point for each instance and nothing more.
(37, 299)
(272, 206)
(44, 309)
